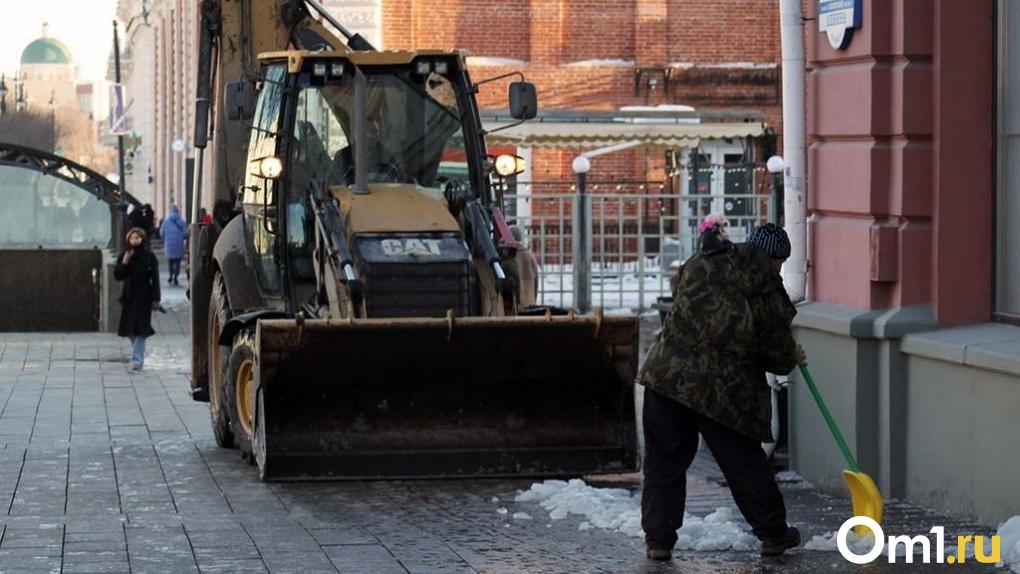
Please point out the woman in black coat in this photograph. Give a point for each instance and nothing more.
(138, 268)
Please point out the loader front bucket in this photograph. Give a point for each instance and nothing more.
(400, 398)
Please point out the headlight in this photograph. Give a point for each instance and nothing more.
(507, 165)
(270, 167)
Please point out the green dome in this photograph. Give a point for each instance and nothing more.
(46, 51)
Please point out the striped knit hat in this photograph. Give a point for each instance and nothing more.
(772, 240)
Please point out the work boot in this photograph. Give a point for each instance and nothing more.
(776, 545)
(661, 554)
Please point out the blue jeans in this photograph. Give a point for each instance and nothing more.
(137, 350)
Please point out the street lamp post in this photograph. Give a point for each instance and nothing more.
(53, 122)
(3, 95)
(582, 237)
(121, 178)
(20, 104)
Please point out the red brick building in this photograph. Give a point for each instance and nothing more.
(605, 54)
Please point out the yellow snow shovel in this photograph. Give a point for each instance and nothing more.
(867, 500)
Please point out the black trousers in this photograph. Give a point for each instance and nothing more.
(671, 441)
(175, 268)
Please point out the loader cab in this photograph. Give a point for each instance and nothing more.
(421, 130)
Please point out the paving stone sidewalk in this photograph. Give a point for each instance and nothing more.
(103, 470)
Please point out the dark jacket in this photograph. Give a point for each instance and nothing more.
(140, 291)
(730, 323)
(143, 217)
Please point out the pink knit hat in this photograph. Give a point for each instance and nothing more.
(714, 220)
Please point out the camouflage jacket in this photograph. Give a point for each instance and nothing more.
(730, 323)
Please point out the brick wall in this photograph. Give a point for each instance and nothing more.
(583, 54)
(709, 31)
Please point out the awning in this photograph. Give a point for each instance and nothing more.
(586, 135)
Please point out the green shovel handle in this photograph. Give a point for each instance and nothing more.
(850, 460)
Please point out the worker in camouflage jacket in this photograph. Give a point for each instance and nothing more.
(730, 323)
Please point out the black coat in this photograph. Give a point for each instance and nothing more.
(140, 291)
(144, 219)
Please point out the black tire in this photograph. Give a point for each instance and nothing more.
(240, 377)
(219, 314)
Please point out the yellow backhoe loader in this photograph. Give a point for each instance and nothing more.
(357, 306)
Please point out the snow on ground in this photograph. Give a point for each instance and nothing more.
(827, 543)
(861, 545)
(174, 298)
(1009, 540)
(619, 510)
(167, 357)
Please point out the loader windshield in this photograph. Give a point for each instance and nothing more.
(414, 133)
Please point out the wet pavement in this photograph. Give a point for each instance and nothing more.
(103, 470)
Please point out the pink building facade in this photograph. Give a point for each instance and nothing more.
(914, 252)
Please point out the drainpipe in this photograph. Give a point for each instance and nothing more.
(795, 200)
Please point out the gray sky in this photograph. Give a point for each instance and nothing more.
(85, 26)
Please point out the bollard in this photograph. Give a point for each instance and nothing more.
(582, 238)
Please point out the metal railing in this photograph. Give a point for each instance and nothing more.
(639, 233)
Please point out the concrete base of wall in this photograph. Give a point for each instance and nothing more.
(48, 290)
(931, 414)
(110, 295)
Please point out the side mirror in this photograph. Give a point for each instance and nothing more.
(240, 100)
(523, 100)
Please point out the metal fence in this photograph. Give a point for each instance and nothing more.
(640, 232)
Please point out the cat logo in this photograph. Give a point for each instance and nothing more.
(411, 247)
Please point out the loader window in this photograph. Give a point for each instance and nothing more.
(259, 193)
(414, 133)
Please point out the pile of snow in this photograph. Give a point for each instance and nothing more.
(1009, 543)
(717, 531)
(609, 508)
(619, 510)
